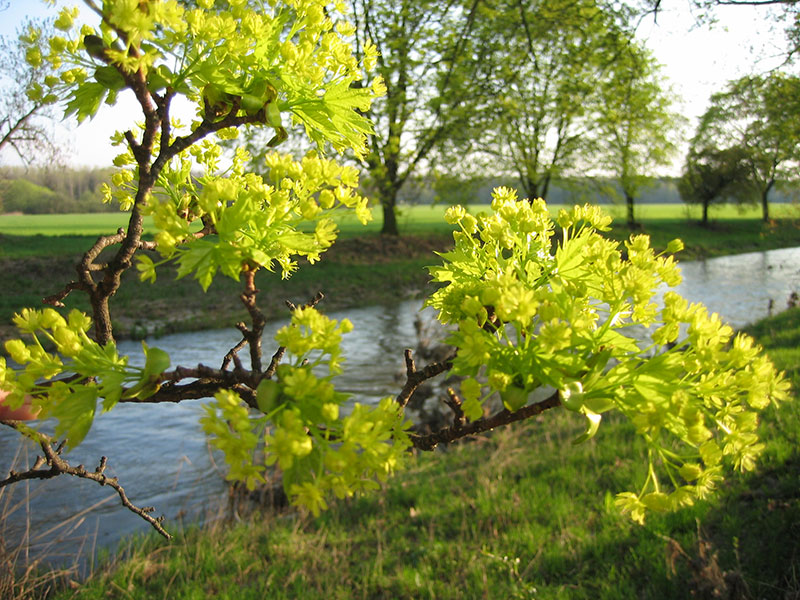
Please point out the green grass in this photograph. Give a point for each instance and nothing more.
(417, 219)
(521, 513)
(87, 224)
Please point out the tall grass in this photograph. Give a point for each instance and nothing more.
(33, 563)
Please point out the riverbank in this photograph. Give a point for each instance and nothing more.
(359, 270)
(520, 513)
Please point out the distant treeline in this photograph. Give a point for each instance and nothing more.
(56, 190)
(47, 191)
(595, 190)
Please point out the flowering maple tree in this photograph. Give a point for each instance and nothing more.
(573, 313)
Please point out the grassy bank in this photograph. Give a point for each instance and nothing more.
(364, 268)
(521, 513)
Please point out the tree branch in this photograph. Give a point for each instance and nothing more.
(503, 417)
(415, 378)
(59, 466)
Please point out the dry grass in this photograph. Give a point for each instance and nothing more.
(33, 564)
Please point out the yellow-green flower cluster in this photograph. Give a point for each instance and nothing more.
(319, 449)
(99, 372)
(311, 332)
(259, 223)
(281, 57)
(532, 315)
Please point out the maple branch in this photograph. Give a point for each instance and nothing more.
(59, 466)
(415, 378)
(503, 417)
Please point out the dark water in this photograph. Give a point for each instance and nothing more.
(160, 453)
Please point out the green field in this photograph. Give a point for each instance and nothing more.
(412, 219)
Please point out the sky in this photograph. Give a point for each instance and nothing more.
(697, 61)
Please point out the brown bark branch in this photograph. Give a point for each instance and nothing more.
(454, 402)
(59, 466)
(415, 378)
(503, 417)
(87, 265)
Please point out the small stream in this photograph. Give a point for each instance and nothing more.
(160, 454)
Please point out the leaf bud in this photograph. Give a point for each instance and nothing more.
(674, 246)
(94, 46)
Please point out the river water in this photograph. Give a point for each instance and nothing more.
(160, 454)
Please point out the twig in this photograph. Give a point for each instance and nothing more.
(454, 402)
(415, 378)
(59, 466)
(281, 351)
(504, 417)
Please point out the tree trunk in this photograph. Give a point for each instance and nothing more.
(388, 202)
(764, 206)
(705, 213)
(629, 203)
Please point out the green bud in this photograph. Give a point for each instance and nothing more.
(94, 46)
(252, 104)
(572, 395)
(674, 246)
(267, 395)
(514, 397)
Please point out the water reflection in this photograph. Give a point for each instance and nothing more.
(160, 453)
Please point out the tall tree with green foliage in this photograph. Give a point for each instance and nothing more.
(712, 176)
(530, 310)
(427, 60)
(760, 115)
(636, 123)
(550, 65)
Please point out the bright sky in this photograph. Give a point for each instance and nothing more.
(697, 61)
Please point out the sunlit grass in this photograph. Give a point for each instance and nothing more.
(413, 219)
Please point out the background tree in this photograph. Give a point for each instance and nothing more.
(530, 310)
(424, 54)
(760, 115)
(549, 61)
(636, 123)
(711, 175)
(428, 61)
(25, 75)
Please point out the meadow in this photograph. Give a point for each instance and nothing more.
(412, 219)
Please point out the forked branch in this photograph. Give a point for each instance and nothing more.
(53, 465)
(503, 417)
(415, 378)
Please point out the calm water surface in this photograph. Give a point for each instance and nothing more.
(160, 453)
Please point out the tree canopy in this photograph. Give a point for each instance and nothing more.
(24, 99)
(637, 125)
(713, 176)
(549, 63)
(759, 115)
